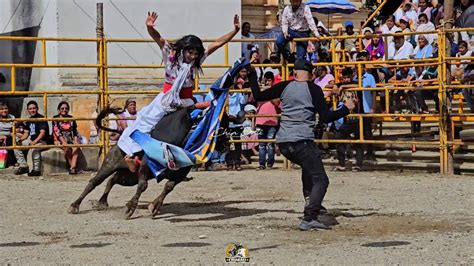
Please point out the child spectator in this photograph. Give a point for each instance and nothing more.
(267, 126)
(6, 128)
(35, 133)
(376, 48)
(249, 133)
(65, 133)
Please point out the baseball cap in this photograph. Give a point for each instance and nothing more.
(348, 23)
(302, 64)
(405, 18)
(250, 108)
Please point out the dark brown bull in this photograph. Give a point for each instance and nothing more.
(172, 129)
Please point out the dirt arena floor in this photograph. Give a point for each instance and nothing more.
(384, 218)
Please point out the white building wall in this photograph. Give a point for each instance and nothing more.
(122, 19)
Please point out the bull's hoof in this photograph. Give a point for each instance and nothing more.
(73, 210)
(99, 205)
(131, 207)
(154, 210)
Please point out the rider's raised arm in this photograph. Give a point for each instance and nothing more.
(150, 26)
(224, 39)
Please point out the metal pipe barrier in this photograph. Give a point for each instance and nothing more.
(104, 92)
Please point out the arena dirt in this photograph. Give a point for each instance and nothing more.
(384, 218)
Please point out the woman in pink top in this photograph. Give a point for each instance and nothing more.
(267, 126)
(323, 79)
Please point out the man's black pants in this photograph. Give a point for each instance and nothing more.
(315, 181)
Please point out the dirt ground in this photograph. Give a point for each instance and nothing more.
(384, 218)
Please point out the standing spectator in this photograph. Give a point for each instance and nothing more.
(267, 126)
(236, 102)
(35, 133)
(297, 22)
(389, 27)
(349, 125)
(247, 46)
(249, 133)
(65, 133)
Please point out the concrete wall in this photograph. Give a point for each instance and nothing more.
(122, 19)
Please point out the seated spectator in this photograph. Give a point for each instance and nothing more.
(405, 28)
(6, 133)
(400, 49)
(274, 59)
(267, 126)
(297, 22)
(424, 7)
(65, 133)
(348, 44)
(376, 48)
(324, 44)
(423, 49)
(408, 13)
(425, 25)
(368, 39)
(457, 68)
(35, 133)
(389, 27)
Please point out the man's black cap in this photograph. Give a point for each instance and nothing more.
(302, 64)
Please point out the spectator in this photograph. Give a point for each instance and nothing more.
(236, 102)
(400, 49)
(349, 44)
(368, 104)
(425, 25)
(255, 59)
(65, 133)
(35, 133)
(249, 133)
(405, 28)
(457, 68)
(424, 7)
(274, 59)
(423, 49)
(389, 27)
(324, 80)
(368, 39)
(345, 127)
(406, 10)
(324, 44)
(297, 22)
(247, 46)
(376, 48)
(130, 111)
(6, 132)
(267, 126)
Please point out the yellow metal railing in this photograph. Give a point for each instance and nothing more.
(104, 93)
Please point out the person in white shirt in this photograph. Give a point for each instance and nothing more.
(389, 27)
(399, 49)
(406, 10)
(297, 22)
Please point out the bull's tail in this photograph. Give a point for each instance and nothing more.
(104, 113)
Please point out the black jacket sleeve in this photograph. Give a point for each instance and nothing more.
(272, 93)
(325, 113)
